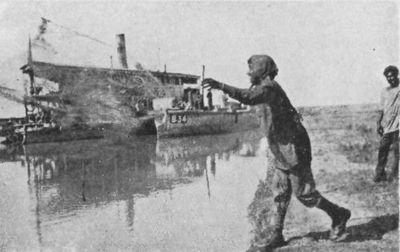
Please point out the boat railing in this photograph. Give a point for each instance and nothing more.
(222, 111)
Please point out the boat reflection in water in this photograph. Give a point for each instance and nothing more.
(190, 155)
(70, 177)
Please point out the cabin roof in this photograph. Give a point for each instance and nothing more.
(118, 70)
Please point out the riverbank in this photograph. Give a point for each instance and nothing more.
(345, 149)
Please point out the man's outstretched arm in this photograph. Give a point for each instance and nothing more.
(245, 96)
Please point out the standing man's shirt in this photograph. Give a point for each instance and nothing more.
(390, 104)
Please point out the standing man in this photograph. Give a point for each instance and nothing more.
(388, 125)
(196, 100)
(290, 146)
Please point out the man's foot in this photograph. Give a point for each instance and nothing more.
(339, 225)
(276, 240)
(380, 177)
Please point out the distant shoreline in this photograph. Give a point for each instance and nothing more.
(353, 107)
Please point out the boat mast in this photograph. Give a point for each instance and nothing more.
(30, 65)
(202, 87)
(29, 71)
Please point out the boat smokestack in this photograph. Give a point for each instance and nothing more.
(121, 49)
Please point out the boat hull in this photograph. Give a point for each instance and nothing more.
(56, 135)
(178, 123)
(139, 126)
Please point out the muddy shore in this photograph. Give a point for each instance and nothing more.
(345, 148)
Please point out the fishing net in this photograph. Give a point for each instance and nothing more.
(96, 95)
(86, 94)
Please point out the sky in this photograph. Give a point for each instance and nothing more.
(327, 52)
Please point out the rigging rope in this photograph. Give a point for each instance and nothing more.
(45, 20)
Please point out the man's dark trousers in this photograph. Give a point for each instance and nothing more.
(386, 141)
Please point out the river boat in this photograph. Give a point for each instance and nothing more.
(179, 123)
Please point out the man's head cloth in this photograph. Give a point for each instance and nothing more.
(265, 64)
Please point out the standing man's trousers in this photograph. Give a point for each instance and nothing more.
(384, 146)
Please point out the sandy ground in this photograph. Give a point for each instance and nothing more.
(344, 158)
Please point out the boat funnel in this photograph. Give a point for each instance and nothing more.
(121, 50)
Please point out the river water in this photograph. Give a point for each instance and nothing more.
(141, 194)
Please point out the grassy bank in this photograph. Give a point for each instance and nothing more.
(344, 157)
